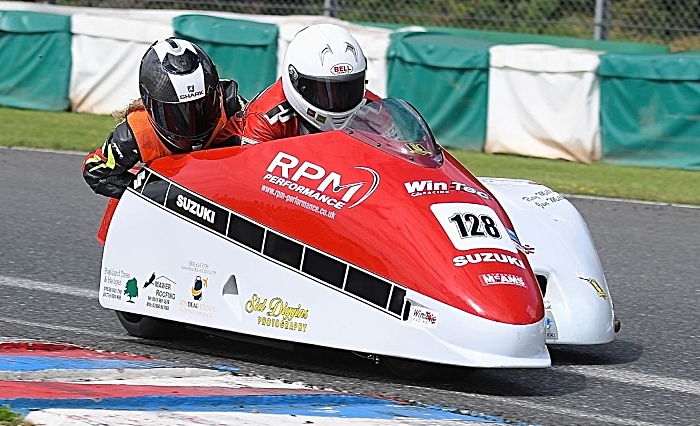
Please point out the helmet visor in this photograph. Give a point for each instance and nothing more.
(334, 94)
(187, 124)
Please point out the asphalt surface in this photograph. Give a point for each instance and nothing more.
(49, 275)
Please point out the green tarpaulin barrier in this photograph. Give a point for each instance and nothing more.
(35, 53)
(244, 51)
(446, 79)
(499, 37)
(650, 110)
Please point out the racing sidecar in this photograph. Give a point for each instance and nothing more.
(372, 239)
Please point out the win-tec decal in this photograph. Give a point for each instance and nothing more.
(417, 188)
(352, 281)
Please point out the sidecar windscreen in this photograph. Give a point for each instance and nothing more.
(394, 126)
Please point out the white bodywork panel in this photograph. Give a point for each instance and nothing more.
(577, 300)
(247, 292)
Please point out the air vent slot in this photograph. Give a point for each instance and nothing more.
(283, 250)
(246, 233)
(368, 287)
(324, 268)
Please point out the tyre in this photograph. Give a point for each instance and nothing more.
(147, 327)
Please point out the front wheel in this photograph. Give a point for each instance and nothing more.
(147, 327)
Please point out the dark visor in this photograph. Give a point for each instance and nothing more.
(334, 94)
(192, 121)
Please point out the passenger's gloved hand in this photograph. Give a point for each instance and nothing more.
(114, 186)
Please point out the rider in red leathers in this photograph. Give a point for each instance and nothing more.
(322, 87)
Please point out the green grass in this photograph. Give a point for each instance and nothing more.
(9, 418)
(53, 130)
(85, 132)
(597, 179)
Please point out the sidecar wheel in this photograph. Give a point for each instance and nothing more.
(147, 327)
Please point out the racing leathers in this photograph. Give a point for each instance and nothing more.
(269, 116)
(108, 169)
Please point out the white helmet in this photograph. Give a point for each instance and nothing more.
(324, 75)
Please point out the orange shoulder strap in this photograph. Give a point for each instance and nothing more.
(148, 141)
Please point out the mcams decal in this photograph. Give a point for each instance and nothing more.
(417, 188)
(277, 313)
(501, 279)
(487, 257)
(423, 316)
(316, 183)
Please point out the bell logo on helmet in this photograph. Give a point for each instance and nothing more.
(341, 69)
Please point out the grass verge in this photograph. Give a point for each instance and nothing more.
(10, 418)
(85, 132)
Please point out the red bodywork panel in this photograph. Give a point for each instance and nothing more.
(390, 233)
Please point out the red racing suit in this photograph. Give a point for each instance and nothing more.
(107, 169)
(269, 116)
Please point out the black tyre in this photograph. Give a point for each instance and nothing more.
(410, 369)
(148, 327)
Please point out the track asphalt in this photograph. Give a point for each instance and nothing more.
(59, 385)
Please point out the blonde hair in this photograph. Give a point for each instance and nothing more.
(121, 114)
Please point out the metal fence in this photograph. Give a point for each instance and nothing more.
(672, 22)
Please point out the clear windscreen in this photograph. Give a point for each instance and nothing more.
(394, 126)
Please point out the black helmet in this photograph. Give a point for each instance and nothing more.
(180, 90)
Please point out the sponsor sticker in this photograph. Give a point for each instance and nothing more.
(417, 188)
(278, 313)
(162, 292)
(487, 257)
(598, 289)
(114, 285)
(314, 183)
(423, 316)
(550, 326)
(543, 198)
(501, 279)
(194, 305)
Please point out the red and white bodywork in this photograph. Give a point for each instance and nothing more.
(371, 239)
